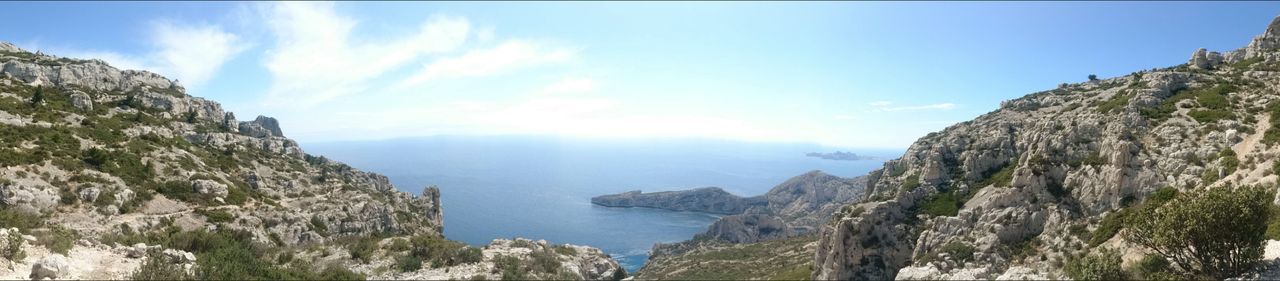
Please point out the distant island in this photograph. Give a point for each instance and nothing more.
(839, 155)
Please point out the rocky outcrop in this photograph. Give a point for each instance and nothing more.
(261, 127)
(707, 200)
(1024, 186)
(747, 228)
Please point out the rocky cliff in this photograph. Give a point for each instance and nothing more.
(1015, 192)
(101, 168)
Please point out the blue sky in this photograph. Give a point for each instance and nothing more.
(858, 74)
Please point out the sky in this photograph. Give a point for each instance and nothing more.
(845, 74)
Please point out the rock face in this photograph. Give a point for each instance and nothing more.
(261, 127)
(748, 228)
(1036, 176)
(707, 199)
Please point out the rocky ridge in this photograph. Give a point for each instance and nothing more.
(1021, 189)
(104, 167)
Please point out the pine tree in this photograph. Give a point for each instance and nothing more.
(38, 97)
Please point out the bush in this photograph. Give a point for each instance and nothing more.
(10, 218)
(362, 249)
(408, 263)
(510, 267)
(156, 268)
(1102, 265)
(545, 261)
(1153, 267)
(1110, 225)
(958, 251)
(941, 204)
(58, 239)
(1216, 233)
(13, 251)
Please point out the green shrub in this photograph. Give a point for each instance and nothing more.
(511, 267)
(216, 216)
(1102, 265)
(156, 268)
(1152, 267)
(545, 261)
(1211, 115)
(1116, 102)
(565, 250)
(911, 182)
(408, 263)
(1216, 233)
(1001, 177)
(13, 251)
(941, 204)
(1110, 225)
(58, 239)
(362, 249)
(958, 251)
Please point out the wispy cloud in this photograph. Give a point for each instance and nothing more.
(191, 53)
(507, 56)
(315, 59)
(884, 106)
(571, 85)
(194, 53)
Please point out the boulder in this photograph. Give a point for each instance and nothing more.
(81, 101)
(214, 188)
(50, 267)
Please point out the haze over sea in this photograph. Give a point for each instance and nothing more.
(516, 186)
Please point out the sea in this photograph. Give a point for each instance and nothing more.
(541, 187)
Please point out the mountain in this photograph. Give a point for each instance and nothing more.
(114, 174)
(1021, 191)
(741, 244)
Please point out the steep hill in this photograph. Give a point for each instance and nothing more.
(1017, 192)
(111, 174)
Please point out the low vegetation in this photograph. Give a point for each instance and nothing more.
(1100, 265)
(1215, 233)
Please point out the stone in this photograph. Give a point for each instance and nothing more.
(50, 267)
(1200, 59)
(81, 101)
(262, 127)
(211, 187)
(178, 256)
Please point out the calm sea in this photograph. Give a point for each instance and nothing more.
(540, 187)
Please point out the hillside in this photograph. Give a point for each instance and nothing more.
(1021, 191)
(113, 174)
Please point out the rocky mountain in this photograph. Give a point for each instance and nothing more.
(1018, 191)
(113, 174)
(786, 215)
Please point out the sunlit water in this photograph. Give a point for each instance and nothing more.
(540, 188)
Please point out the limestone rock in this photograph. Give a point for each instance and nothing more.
(748, 228)
(50, 267)
(214, 188)
(81, 101)
(261, 127)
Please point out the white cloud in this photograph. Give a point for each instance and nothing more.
(571, 85)
(509, 55)
(315, 60)
(881, 103)
(193, 53)
(884, 107)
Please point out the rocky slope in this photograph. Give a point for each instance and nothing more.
(787, 214)
(1015, 192)
(102, 168)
